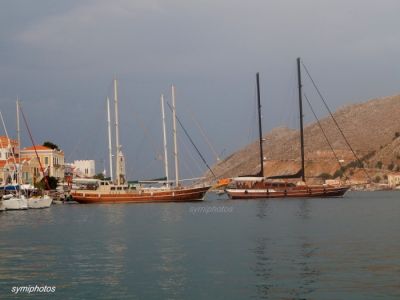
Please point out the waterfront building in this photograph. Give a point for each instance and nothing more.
(84, 168)
(9, 153)
(7, 148)
(52, 160)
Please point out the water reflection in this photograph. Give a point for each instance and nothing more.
(12, 219)
(263, 268)
(115, 214)
(304, 211)
(172, 212)
(307, 272)
(262, 208)
(172, 271)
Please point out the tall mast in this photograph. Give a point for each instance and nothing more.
(260, 126)
(117, 146)
(109, 139)
(174, 132)
(165, 140)
(19, 144)
(303, 177)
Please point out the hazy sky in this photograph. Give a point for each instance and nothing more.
(60, 57)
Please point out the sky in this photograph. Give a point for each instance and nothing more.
(60, 58)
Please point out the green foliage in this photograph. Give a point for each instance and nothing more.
(391, 166)
(52, 183)
(378, 165)
(50, 145)
(325, 176)
(99, 176)
(355, 164)
(338, 173)
(368, 156)
(377, 179)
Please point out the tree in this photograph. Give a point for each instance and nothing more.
(377, 179)
(99, 176)
(339, 172)
(325, 176)
(52, 183)
(378, 165)
(50, 145)
(391, 166)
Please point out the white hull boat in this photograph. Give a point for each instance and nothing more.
(39, 202)
(15, 203)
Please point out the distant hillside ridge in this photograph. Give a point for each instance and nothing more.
(372, 128)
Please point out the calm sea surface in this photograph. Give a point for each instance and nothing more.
(344, 248)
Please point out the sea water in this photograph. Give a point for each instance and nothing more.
(338, 248)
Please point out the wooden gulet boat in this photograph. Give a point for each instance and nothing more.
(255, 187)
(106, 192)
(119, 192)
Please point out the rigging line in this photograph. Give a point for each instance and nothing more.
(253, 116)
(190, 155)
(323, 132)
(34, 147)
(147, 134)
(334, 120)
(204, 135)
(191, 141)
(186, 166)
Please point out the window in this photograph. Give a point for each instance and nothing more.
(46, 160)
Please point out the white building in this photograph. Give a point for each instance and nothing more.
(84, 168)
(394, 180)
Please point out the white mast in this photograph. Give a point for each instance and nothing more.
(109, 139)
(19, 144)
(117, 146)
(175, 140)
(165, 140)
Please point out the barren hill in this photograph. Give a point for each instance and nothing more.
(371, 128)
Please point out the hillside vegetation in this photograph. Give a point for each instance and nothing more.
(372, 127)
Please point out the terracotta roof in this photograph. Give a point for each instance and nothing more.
(4, 141)
(38, 148)
(10, 160)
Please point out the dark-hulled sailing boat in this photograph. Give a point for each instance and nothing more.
(253, 187)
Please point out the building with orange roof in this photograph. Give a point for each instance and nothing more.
(9, 154)
(52, 160)
(8, 147)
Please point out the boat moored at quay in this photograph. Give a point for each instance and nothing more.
(118, 191)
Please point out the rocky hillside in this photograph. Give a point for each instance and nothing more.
(373, 129)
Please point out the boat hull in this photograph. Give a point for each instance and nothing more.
(298, 192)
(176, 195)
(15, 203)
(39, 202)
